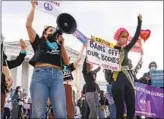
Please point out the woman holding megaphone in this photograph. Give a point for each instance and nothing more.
(47, 79)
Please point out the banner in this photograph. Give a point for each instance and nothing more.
(83, 39)
(50, 7)
(157, 78)
(106, 57)
(137, 47)
(149, 101)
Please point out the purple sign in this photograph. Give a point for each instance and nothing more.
(149, 101)
(80, 36)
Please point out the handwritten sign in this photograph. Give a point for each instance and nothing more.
(82, 38)
(102, 41)
(106, 57)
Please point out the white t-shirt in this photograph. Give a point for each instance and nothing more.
(8, 101)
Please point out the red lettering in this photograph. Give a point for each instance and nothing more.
(57, 3)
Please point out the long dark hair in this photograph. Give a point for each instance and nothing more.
(44, 32)
(153, 62)
(17, 88)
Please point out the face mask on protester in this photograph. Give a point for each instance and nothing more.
(153, 68)
(51, 38)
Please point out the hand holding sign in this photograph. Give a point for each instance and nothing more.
(100, 54)
(33, 3)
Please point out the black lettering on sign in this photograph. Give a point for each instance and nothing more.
(102, 41)
(110, 59)
(113, 52)
(97, 46)
(93, 53)
(98, 40)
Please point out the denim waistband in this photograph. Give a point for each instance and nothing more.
(50, 68)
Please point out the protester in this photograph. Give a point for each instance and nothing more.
(146, 78)
(103, 103)
(152, 66)
(86, 107)
(91, 88)
(80, 104)
(67, 79)
(123, 86)
(18, 102)
(47, 79)
(8, 107)
(6, 79)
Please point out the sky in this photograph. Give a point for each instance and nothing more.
(97, 18)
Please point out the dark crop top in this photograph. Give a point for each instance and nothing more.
(43, 54)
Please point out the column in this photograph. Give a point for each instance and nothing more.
(78, 78)
(25, 75)
(13, 73)
(30, 72)
(19, 75)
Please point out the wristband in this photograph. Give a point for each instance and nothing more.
(23, 52)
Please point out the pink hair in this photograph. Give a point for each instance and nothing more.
(118, 33)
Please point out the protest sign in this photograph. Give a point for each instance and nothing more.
(83, 39)
(67, 74)
(104, 56)
(102, 41)
(50, 7)
(157, 78)
(149, 101)
(67, 71)
(137, 47)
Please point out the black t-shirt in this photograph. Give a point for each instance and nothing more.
(67, 72)
(11, 64)
(90, 77)
(43, 54)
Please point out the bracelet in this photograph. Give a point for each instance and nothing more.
(23, 51)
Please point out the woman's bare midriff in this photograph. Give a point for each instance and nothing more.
(47, 65)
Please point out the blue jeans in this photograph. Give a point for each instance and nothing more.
(101, 114)
(112, 107)
(48, 82)
(2, 114)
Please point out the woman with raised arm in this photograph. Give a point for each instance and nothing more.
(92, 88)
(47, 78)
(123, 86)
(6, 78)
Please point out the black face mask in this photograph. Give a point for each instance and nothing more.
(51, 38)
